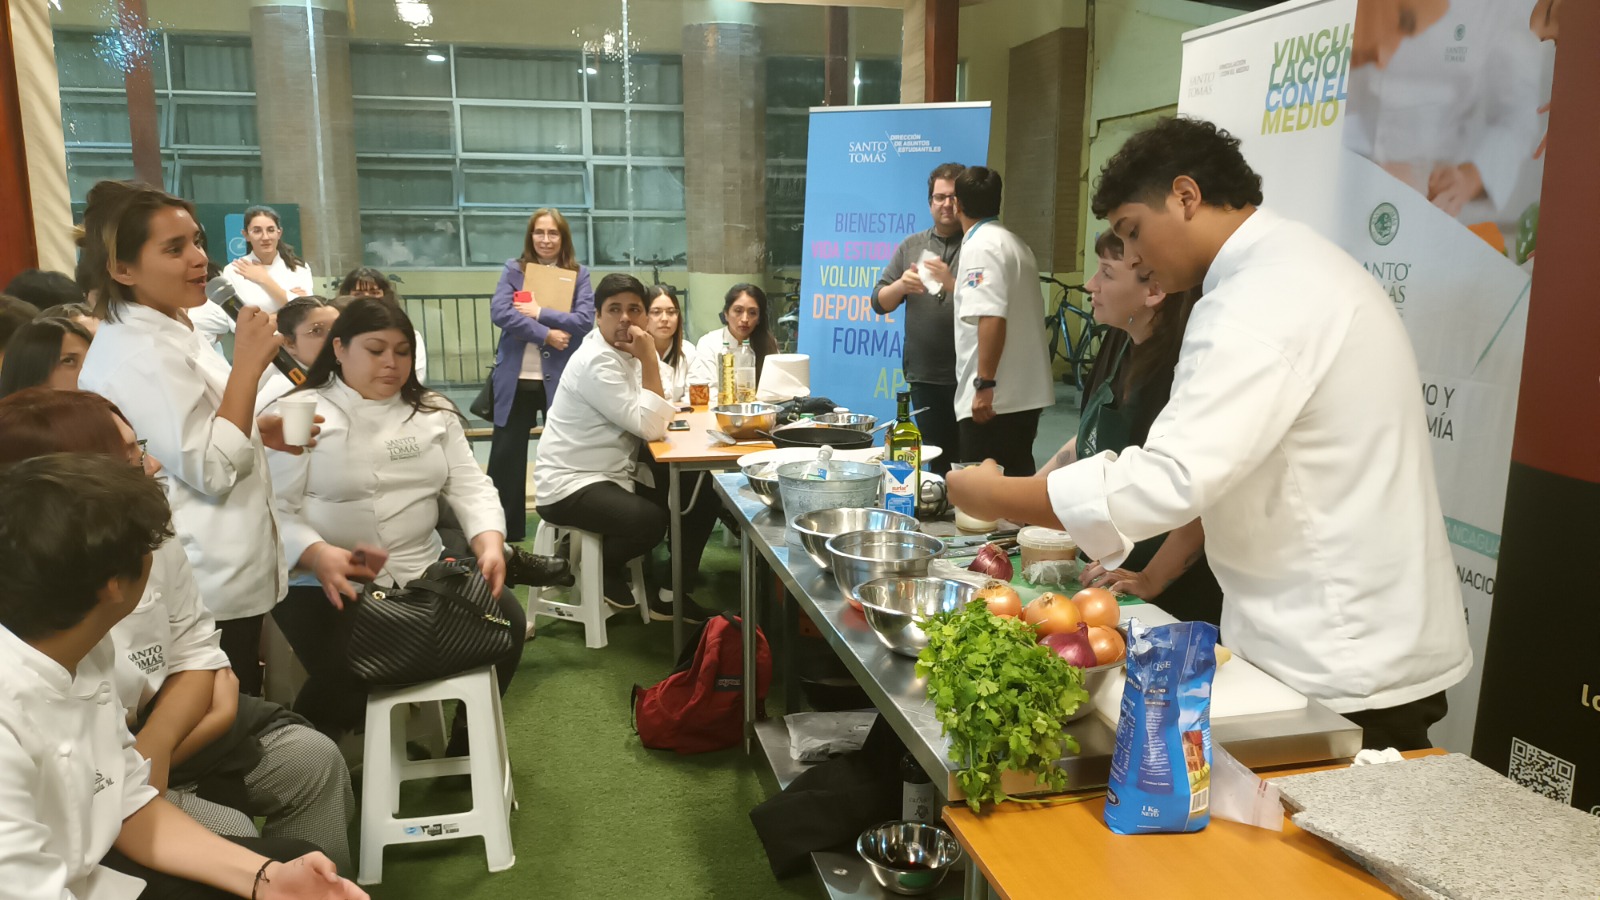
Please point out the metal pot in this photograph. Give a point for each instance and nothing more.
(819, 435)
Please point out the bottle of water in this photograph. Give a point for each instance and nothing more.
(744, 367)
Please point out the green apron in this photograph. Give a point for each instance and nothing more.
(1106, 424)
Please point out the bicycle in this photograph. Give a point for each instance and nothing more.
(1079, 355)
(655, 278)
(786, 326)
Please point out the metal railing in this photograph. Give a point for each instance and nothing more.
(458, 334)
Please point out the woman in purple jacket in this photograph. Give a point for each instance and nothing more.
(535, 344)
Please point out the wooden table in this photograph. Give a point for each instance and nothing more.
(1066, 851)
(691, 451)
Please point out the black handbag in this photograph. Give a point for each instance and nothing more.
(441, 624)
(482, 405)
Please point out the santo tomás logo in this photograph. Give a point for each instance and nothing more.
(1383, 224)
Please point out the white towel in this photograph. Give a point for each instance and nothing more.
(784, 376)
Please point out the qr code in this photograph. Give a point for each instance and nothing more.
(1541, 772)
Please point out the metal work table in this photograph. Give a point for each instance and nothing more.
(1301, 736)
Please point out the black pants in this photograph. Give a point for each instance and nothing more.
(701, 509)
(161, 886)
(1007, 439)
(508, 456)
(241, 642)
(629, 524)
(938, 424)
(333, 699)
(1403, 727)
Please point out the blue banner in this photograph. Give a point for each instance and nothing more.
(867, 173)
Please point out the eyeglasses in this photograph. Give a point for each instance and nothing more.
(664, 313)
(941, 199)
(265, 232)
(142, 454)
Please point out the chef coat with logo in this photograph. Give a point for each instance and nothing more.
(167, 633)
(999, 278)
(169, 383)
(376, 477)
(1297, 433)
(597, 421)
(69, 776)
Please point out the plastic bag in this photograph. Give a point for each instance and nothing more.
(1161, 767)
(1238, 795)
(815, 736)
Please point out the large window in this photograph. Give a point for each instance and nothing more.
(456, 145)
(206, 114)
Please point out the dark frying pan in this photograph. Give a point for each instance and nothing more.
(818, 435)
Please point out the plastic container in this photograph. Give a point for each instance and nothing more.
(1045, 544)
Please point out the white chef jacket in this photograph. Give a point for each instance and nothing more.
(375, 477)
(1297, 433)
(675, 378)
(594, 426)
(707, 357)
(69, 776)
(1467, 89)
(211, 322)
(167, 633)
(169, 384)
(274, 385)
(999, 277)
(298, 282)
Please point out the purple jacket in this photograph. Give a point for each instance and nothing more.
(517, 331)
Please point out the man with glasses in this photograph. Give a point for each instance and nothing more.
(930, 346)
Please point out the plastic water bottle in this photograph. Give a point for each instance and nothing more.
(744, 368)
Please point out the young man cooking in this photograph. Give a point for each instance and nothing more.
(1294, 431)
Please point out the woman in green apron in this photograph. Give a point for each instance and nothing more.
(1130, 383)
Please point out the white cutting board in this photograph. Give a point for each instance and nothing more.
(1238, 689)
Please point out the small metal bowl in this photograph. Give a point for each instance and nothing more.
(816, 528)
(763, 479)
(862, 556)
(909, 858)
(856, 421)
(742, 420)
(1093, 679)
(896, 607)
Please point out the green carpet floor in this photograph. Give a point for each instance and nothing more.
(600, 816)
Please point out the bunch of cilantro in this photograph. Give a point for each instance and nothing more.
(1001, 698)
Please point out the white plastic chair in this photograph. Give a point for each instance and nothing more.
(386, 768)
(587, 560)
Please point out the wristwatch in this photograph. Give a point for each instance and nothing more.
(981, 383)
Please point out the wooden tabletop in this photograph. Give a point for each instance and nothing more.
(1065, 850)
(695, 446)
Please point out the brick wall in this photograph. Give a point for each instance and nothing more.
(1044, 143)
(724, 144)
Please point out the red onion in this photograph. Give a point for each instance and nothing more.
(993, 562)
(1072, 646)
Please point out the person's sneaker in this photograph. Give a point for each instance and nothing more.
(693, 613)
(619, 594)
(534, 570)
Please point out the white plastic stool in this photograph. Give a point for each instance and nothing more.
(587, 561)
(386, 768)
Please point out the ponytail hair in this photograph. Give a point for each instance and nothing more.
(284, 250)
(116, 224)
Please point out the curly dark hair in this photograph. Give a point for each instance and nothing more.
(1143, 170)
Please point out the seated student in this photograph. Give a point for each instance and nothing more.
(610, 401)
(14, 314)
(364, 505)
(677, 354)
(77, 532)
(220, 757)
(304, 324)
(366, 281)
(44, 351)
(44, 289)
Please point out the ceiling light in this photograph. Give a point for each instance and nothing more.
(591, 71)
(435, 57)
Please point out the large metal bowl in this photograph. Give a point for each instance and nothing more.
(856, 421)
(862, 556)
(763, 479)
(896, 608)
(742, 420)
(908, 858)
(816, 528)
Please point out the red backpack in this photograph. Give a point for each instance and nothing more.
(700, 706)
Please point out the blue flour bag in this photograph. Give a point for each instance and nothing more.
(1161, 768)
